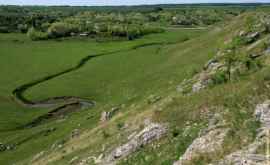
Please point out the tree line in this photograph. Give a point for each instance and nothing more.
(41, 23)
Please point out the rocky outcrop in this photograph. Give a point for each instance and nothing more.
(248, 155)
(202, 82)
(152, 132)
(262, 114)
(203, 79)
(206, 144)
(210, 140)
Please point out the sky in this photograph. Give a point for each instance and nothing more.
(116, 2)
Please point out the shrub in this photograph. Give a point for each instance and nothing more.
(105, 134)
(266, 74)
(219, 78)
(120, 125)
(239, 41)
(175, 132)
(36, 35)
(253, 64)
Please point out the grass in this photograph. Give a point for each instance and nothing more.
(152, 65)
(23, 61)
(167, 68)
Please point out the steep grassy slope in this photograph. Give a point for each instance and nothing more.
(186, 115)
(172, 64)
(127, 81)
(23, 61)
(50, 57)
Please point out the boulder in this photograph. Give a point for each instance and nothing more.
(105, 116)
(150, 133)
(251, 37)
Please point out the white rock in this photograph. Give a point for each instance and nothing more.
(150, 133)
(208, 143)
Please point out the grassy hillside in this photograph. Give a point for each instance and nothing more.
(139, 82)
(24, 61)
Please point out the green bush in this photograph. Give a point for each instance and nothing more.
(219, 78)
(266, 74)
(252, 64)
(36, 35)
(105, 134)
(239, 41)
(120, 125)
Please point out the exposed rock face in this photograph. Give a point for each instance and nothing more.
(203, 79)
(262, 113)
(213, 65)
(208, 143)
(147, 135)
(248, 156)
(202, 82)
(212, 142)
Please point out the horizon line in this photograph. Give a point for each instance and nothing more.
(187, 3)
